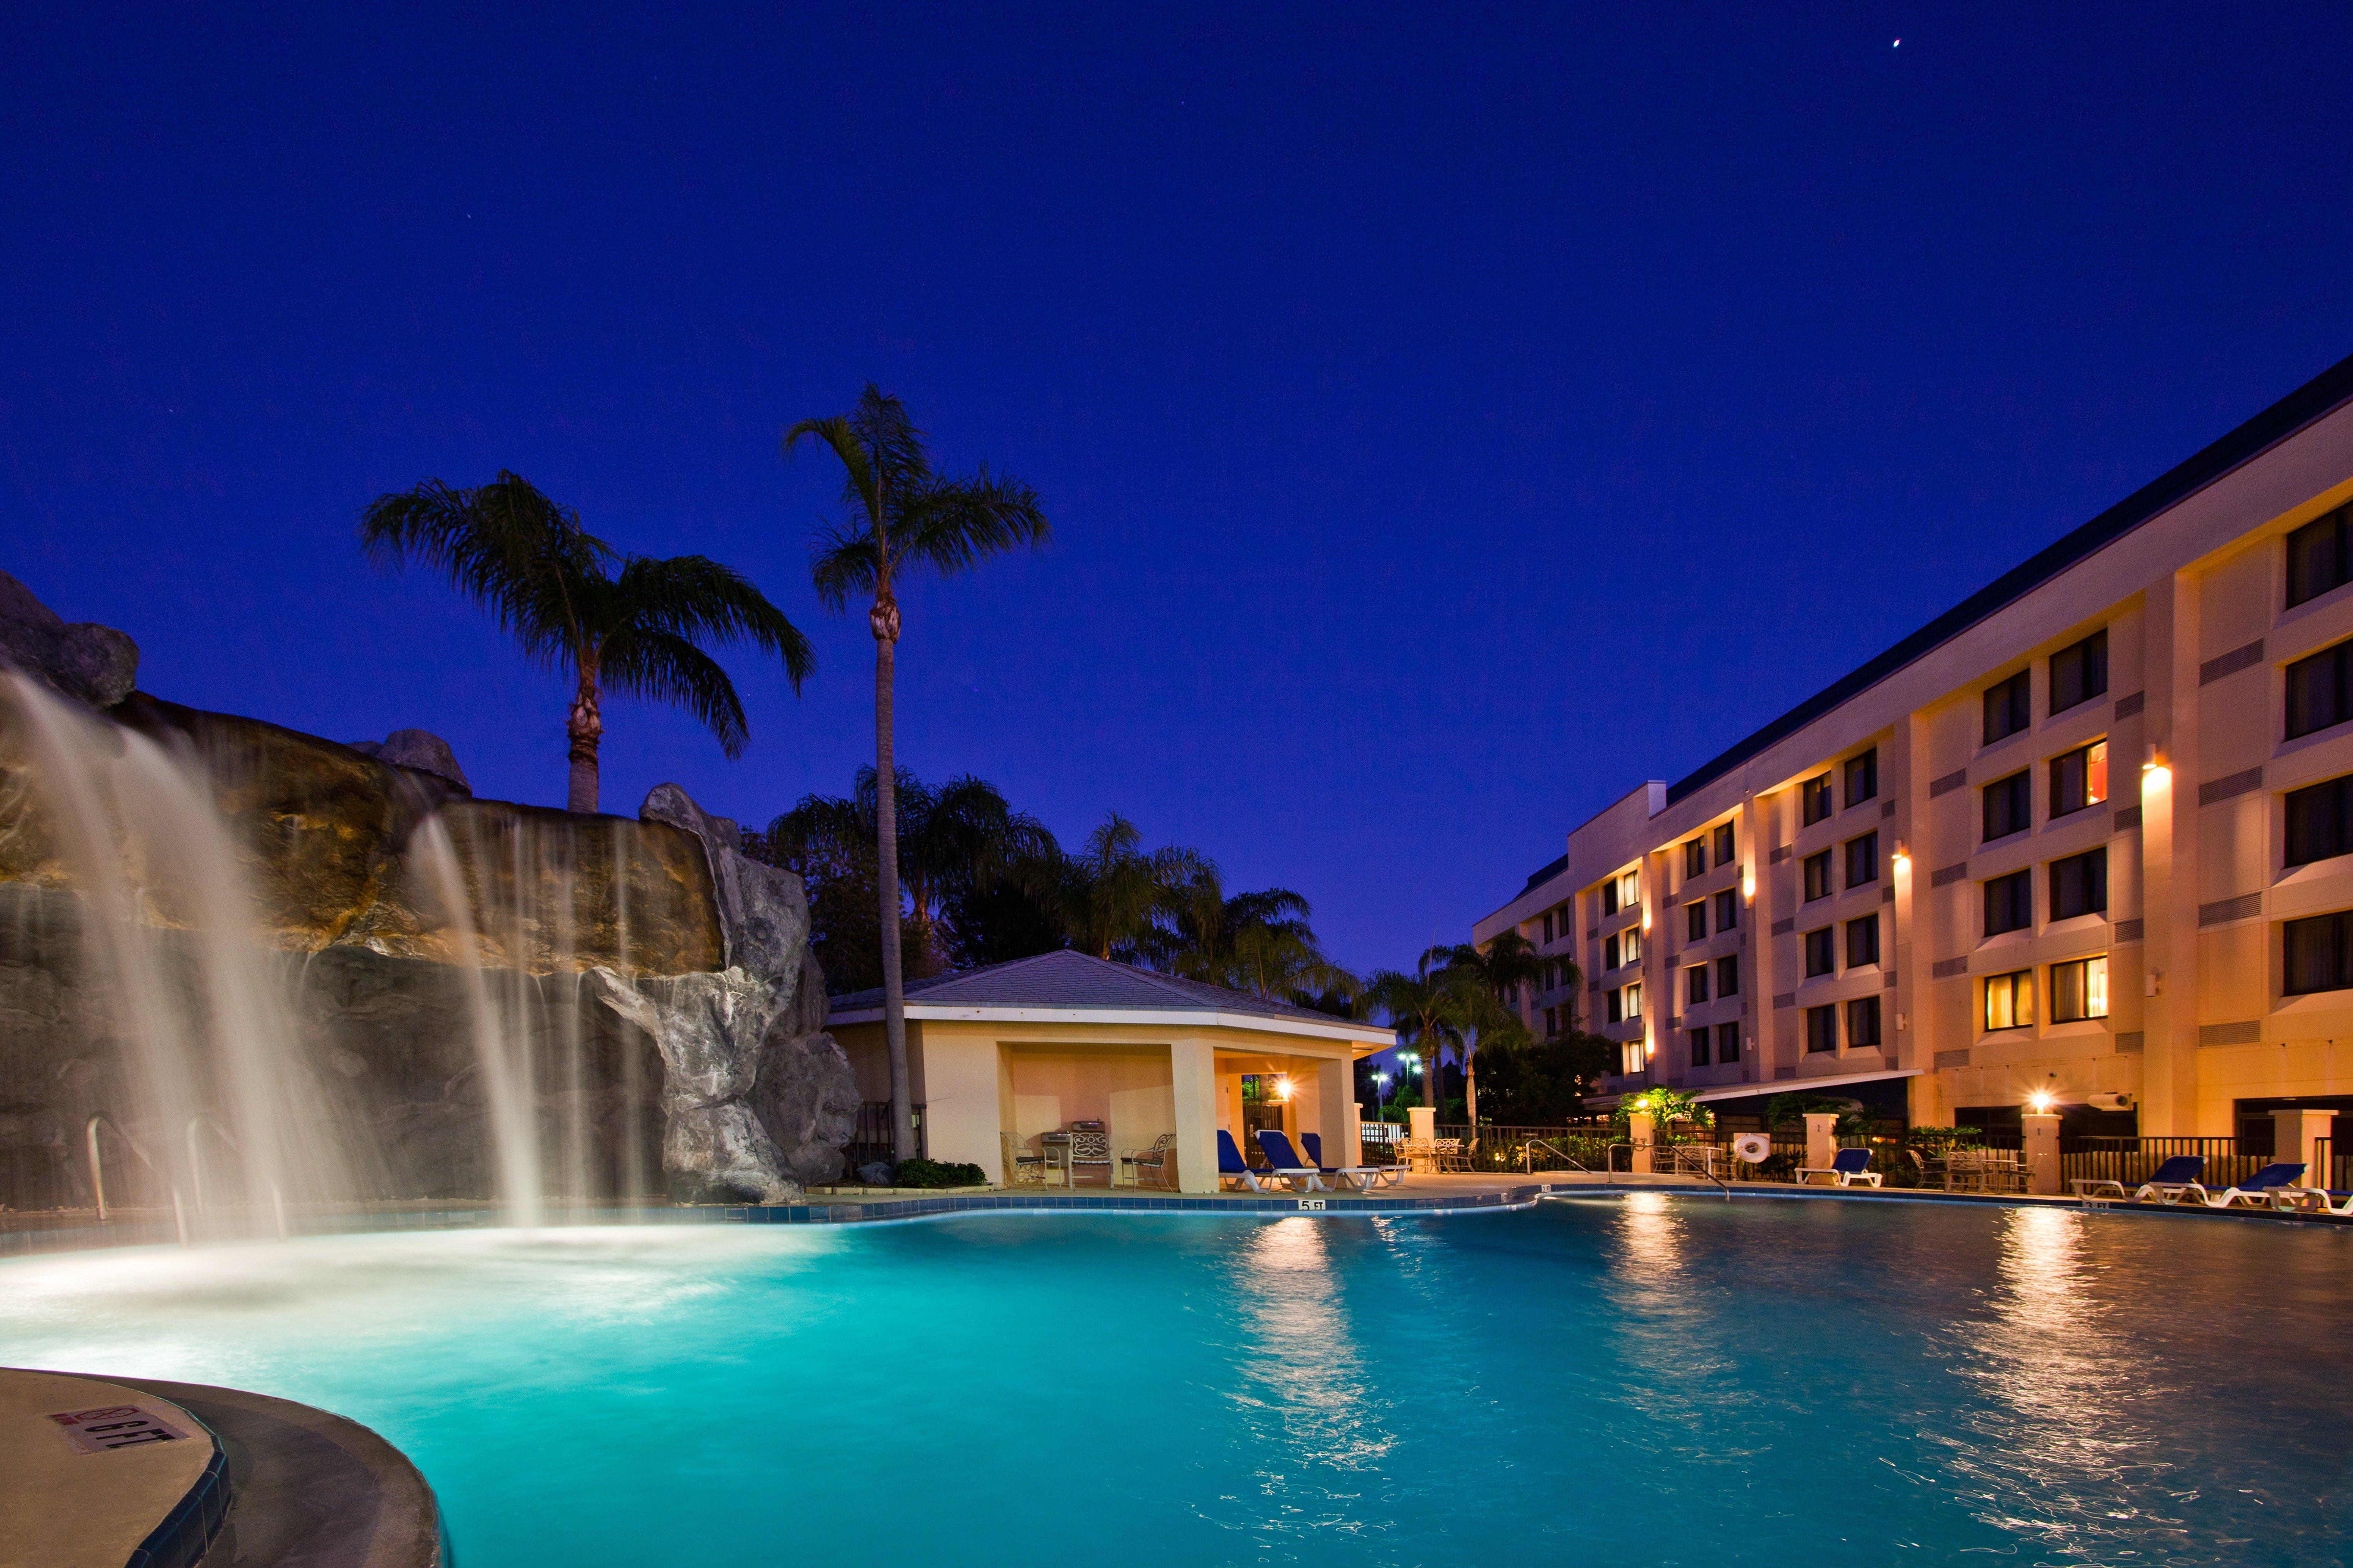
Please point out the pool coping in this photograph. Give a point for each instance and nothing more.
(883, 1211)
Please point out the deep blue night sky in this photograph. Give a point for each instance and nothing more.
(1446, 419)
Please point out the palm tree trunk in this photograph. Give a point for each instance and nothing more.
(1471, 1097)
(586, 728)
(886, 844)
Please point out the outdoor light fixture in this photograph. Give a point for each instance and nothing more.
(2153, 770)
(2040, 1101)
(1748, 883)
(1903, 856)
(1281, 1087)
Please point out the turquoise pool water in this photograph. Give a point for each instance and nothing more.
(1645, 1380)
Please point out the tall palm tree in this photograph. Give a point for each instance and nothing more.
(549, 582)
(1508, 960)
(902, 518)
(1260, 942)
(1426, 1005)
(1118, 896)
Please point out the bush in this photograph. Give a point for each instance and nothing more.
(934, 1174)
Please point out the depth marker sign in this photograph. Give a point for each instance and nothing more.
(113, 1426)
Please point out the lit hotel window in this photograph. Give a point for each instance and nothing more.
(2079, 990)
(2009, 1000)
(2079, 779)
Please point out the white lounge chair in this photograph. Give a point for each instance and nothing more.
(1283, 1161)
(1847, 1167)
(2260, 1188)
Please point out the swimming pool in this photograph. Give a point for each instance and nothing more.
(1643, 1380)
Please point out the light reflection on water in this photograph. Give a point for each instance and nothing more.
(1650, 1380)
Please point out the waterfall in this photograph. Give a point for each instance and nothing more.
(501, 1042)
(219, 1091)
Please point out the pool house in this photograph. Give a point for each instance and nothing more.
(1066, 1064)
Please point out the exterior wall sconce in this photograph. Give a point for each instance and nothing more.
(1903, 856)
(2153, 769)
(1748, 883)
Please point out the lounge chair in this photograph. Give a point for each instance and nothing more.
(1233, 1167)
(1280, 1153)
(1390, 1174)
(2259, 1188)
(1847, 1167)
(2178, 1175)
(2311, 1200)
(1283, 1161)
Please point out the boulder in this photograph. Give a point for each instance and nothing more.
(90, 663)
(421, 750)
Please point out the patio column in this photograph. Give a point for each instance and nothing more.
(2041, 1130)
(1193, 1070)
(1335, 1113)
(1821, 1138)
(2293, 1135)
(1642, 1132)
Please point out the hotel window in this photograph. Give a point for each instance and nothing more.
(1609, 898)
(1633, 1056)
(1727, 975)
(2319, 954)
(2009, 903)
(1699, 1047)
(1695, 858)
(1696, 921)
(1821, 1028)
(1629, 946)
(1630, 889)
(1862, 777)
(1552, 1018)
(1821, 952)
(1613, 1007)
(2079, 673)
(1725, 847)
(2320, 690)
(2320, 821)
(2009, 1000)
(1727, 1042)
(1861, 1023)
(1696, 985)
(2320, 556)
(2008, 805)
(1863, 941)
(2079, 885)
(2079, 990)
(1608, 953)
(1818, 876)
(1814, 802)
(1633, 1000)
(2008, 707)
(1547, 926)
(2079, 779)
(1862, 860)
(1727, 909)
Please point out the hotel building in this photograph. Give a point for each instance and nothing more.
(2088, 833)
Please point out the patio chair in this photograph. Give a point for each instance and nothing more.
(1233, 1167)
(2257, 1189)
(1023, 1168)
(1450, 1156)
(1283, 1161)
(1279, 1151)
(1390, 1174)
(1090, 1145)
(1155, 1159)
(1847, 1167)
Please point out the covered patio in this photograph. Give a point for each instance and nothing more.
(1071, 1071)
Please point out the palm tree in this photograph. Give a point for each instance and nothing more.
(1118, 899)
(954, 839)
(1260, 942)
(1428, 1005)
(1492, 973)
(548, 582)
(902, 518)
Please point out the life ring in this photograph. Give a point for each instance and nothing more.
(1754, 1147)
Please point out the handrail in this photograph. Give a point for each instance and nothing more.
(1609, 1158)
(196, 1168)
(1705, 1167)
(97, 1172)
(1528, 1157)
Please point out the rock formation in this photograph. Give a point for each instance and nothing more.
(420, 750)
(93, 664)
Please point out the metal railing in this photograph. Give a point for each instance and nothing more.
(1537, 1147)
(2132, 1161)
(196, 1168)
(873, 1140)
(2330, 1169)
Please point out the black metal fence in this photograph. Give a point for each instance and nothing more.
(874, 1140)
(2132, 1161)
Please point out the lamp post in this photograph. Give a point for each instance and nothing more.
(1380, 1096)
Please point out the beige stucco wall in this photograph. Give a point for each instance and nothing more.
(2196, 891)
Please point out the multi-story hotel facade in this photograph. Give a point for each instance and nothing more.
(2087, 834)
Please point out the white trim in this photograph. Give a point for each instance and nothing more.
(1777, 1086)
(1164, 1017)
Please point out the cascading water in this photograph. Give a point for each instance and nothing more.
(218, 1093)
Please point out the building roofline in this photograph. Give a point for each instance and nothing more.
(2315, 400)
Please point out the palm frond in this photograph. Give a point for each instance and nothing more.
(846, 562)
(955, 524)
(666, 668)
(698, 598)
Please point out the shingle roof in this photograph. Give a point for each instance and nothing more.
(1079, 981)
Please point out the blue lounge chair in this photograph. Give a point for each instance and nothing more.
(2178, 1175)
(1314, 1143)
(1847, 1167)
(1280, 1153)
(1284, 1162)
(1233, 1167)
(2258, 1188)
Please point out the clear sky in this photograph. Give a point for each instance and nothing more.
(1446, 415)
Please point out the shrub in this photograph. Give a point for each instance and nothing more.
(934, 1174)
